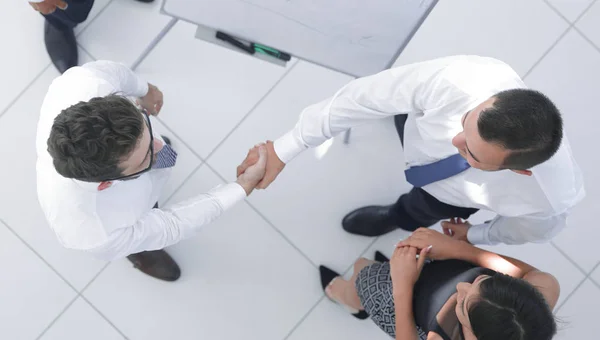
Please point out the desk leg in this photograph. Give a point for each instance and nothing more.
(347, 136)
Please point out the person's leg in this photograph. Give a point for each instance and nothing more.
(59, 36)
(344, 291)
(417, 208)
(414, 209)
(156, 263)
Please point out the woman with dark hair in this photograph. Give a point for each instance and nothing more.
(464, 293)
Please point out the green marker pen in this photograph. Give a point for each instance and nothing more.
(271, 51)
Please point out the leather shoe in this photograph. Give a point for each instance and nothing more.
(156, 263)
(369, 221)
(61, 46)
(146, 1)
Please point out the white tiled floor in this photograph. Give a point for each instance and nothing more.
(252, 274)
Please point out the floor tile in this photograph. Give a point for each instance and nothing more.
(499, 29)
(32, 294)
(187, 162)
(123, 30)
(570, 75)
(209, 89)
(579, 316)
(316, 190)
(331, 321)
(81, 321)
(238, 276)
(589, 24)
(570, 9)
(99, 5)
(25, 56)
(20, 209)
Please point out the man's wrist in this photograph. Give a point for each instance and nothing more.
(248, 188)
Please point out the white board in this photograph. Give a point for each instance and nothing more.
(356, 37)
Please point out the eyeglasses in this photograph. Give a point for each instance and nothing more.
(150, 150)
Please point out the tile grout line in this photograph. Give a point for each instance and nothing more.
(57, 317)
(285, 238)
(157, 39)
(38, 255)
(565, 255)
(18, 96)
(252, 109)
(592, 272)
(558, 12)
(103, 316)
(304, 317)
(585, 37)
(168, 199)
(86, 51)
(94, 278)
(547, 52)
(584, 12)
(586, 277)
(324, 296)
(94, 18)
(180, 139)
(204, 160)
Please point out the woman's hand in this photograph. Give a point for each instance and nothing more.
(406, 268)
(443, 247)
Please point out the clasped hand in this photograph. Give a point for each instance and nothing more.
(273, 165)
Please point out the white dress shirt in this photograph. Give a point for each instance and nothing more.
(119, 220)
(436, 94)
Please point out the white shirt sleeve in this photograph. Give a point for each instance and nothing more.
(121, 77)
(405, 89)
(160, 228)
(517, 230)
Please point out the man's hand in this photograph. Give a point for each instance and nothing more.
(48, 6)
(457, 229)
(152, 101)
(256, 172)
(274, 165)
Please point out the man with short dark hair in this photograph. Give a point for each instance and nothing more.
(474, 137)
(101, 170)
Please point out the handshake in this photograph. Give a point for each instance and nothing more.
(260, 168)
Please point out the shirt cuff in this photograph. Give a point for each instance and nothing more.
(479, 234)
(141, 88)
(228, 195)
(288, 146)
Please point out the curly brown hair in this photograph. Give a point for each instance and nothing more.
(89, 139)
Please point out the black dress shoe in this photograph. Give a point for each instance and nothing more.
(327, 275)
(379, 257)
(61, 46)
(369, 221)
(156, 263)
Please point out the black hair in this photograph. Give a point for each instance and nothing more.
(511, 309)
(526, 123)
(89, 139)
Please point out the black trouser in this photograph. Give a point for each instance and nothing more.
(417, 208)
(76, 13)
